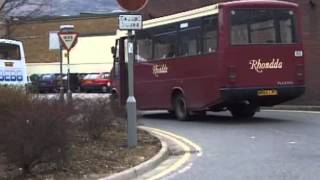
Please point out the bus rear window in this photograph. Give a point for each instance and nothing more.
(262, 26)
(9, 52)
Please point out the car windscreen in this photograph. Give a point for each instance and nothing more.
(105, 75)
(47, 77)
(262, 26)
(91, 76)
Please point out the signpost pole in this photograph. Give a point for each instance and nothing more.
(69, 39)
(61, 97)
(131, 101)
(69, 93)
(130, 23)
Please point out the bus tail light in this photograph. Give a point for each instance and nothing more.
(300, 72)
(232, 74)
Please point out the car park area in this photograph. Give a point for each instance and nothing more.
(97, 82)
(79, 82)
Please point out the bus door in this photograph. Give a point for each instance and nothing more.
(119, 71)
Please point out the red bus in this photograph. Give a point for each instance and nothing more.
(235, 56)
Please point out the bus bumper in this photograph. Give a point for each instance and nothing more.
(266, 96)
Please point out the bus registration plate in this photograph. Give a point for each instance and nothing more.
(269, 92)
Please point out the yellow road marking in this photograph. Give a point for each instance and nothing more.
(182, 142)
(194, 145)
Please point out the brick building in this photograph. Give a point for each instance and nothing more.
(99, 30)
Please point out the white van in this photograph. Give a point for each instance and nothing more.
(12, 63)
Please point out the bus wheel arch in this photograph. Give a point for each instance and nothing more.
(179, 105)
(175, 92)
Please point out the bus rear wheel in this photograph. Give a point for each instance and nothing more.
(243, 110)
(180, 108)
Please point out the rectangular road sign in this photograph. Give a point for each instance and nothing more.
(130, 22)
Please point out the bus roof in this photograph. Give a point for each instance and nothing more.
(10, 41)
(213, 9)
(195, 13)
(258, 3)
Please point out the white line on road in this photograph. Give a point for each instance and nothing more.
(311, 112)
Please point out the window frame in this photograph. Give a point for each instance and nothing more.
(215, 16)
(159, 31)
(196, 24)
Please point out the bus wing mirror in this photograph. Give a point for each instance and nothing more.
(113, 50)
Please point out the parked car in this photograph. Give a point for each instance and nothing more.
(48, 83)
(33, 83)
(99, 82)
(74, 82)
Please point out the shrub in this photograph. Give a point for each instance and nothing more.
(118, 111)
(96, 117)
(10, 98)
(36, 129)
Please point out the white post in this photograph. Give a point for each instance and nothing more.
(131, 101)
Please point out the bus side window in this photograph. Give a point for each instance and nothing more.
(2, 56)
(144, 50)
(189, 38)
(210, 34)
(165, 46)
(116, 60)
(143, 46)
(164, 41)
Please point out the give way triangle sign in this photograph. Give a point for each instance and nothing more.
(68, 39)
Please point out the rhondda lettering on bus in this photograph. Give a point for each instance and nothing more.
(159, 69)
(259, 66)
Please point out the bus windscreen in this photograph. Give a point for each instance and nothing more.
(10, 52)
(262, 26)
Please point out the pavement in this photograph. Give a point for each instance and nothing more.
(174, 154)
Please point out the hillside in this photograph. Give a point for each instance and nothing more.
(36, 8)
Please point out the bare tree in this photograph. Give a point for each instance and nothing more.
(23, 7)
(11, 8)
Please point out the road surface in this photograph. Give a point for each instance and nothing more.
(275, 145)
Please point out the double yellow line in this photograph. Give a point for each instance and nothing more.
(184, 143)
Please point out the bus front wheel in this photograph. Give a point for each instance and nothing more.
(180, 108)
